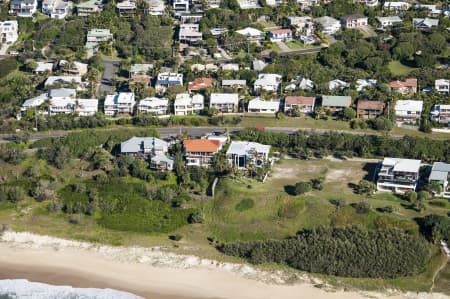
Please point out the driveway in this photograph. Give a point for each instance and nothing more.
(110, 68)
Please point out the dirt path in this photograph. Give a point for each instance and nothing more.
(437, 273)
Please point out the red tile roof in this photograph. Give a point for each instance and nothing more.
(201, 145)
(299, 100)
(370, 105)
(200, 83)
(411, 82)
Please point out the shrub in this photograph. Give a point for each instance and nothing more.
(386, 209)
(196, 217)
(362, 207)
(438, 203)
(411, 196)
(244, 204)
(350, 252)
(365, 187)
(176, 237)
(302, 187)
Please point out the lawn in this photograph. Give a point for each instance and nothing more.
(399, 69)
(294, 45)
(300, 122)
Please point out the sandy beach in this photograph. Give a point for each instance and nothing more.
(149, 272)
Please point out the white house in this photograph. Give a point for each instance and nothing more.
(370, 3)
(408, 110)
(42, 67)
(9, 32)
(396, 6)
(242, 154)
(433, 11)
(248, 4)
(355, 21)
(389, 21)
(274, 2)
(425, 24)
(337, 84)
(121, 103)
(442, 86)
(151, 148)
(363, 83)
(56, 9)
(329, 25)
(306, 84)
(252, 34)
(155, 7)
(440, 174)
(34, 102)
(190, 33)
(278, 35)
(304, 25)
(260, 106)
(441, 114)
(398, 175)
(234, 83)
(229, 67)
(307, 3)
(77, 68)
(268, 82)
(95, 37)
(23, 8)
(185, 104)
(224, 102)
(126, 8)
(166, 79)
(76, 81)
(86, 107)
(89, 7)
(157, 106)
(180, 6)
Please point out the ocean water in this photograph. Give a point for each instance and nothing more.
(24, 289)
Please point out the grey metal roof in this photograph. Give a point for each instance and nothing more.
(245, 148)
(439, 172)
(137, 144)
(62, 93)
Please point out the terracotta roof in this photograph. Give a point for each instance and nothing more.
(370, 105)
(299, 100)
(280, 31)
(201, 145)
(200, 83)
(411, 82)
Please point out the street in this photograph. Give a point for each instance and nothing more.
(110, 68)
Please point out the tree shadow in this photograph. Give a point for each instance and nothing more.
(353, 186)
(371, 169)
(289, 189)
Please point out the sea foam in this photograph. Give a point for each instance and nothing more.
(24, 289)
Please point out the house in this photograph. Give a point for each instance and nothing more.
(121, 103)
(370, 3)
(95, 37)
(155, 7)
(201, 152)
(329, 25)
(369, 109)
(252, 34)
(244, 154)
(180, 6)
(337, 84)
(274, 2)
(86, 107)
(441, 114)
(202, 83)
(389, 21)
(218, 31)
(139, 69)
(214, 3)
(306, 4)
(229, 67)
(425, 24)
(191, 17)
(305, 84)
(165, 80)
(186, 104)
(43, 67)
(9, 32)
(442, 86)
(75, 81)
(190, 33)
(89, 7)
(354, 21)
(235, 84)
(34, 102)
(280, 35)
(440, 174)
(363, 83)
(396, 6)
(56, 9)
(267, 82)
(73, 68)
(303, 104)
(398, 175)
(151, 148)
(157, 106)
(23, 8)
(433, 11)
(248, 4)
(259, 65)
(224, 102)
(304, 26)
(126, 8)
(260, 106)
(408, 86)
(336, 103)
(408, 110)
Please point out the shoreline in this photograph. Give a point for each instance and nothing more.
(153, 273)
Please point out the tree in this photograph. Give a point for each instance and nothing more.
(349, 113)
(411, 196)
(365, 187)
(423, 195)
(302, 187)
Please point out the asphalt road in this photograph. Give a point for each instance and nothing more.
(110, 68)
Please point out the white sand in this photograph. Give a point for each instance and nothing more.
(152, 270)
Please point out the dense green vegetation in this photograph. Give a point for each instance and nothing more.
(350, 252)
(304, 144)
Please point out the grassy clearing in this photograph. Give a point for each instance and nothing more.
(441, 284)
(399, 69)
(294, 45)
